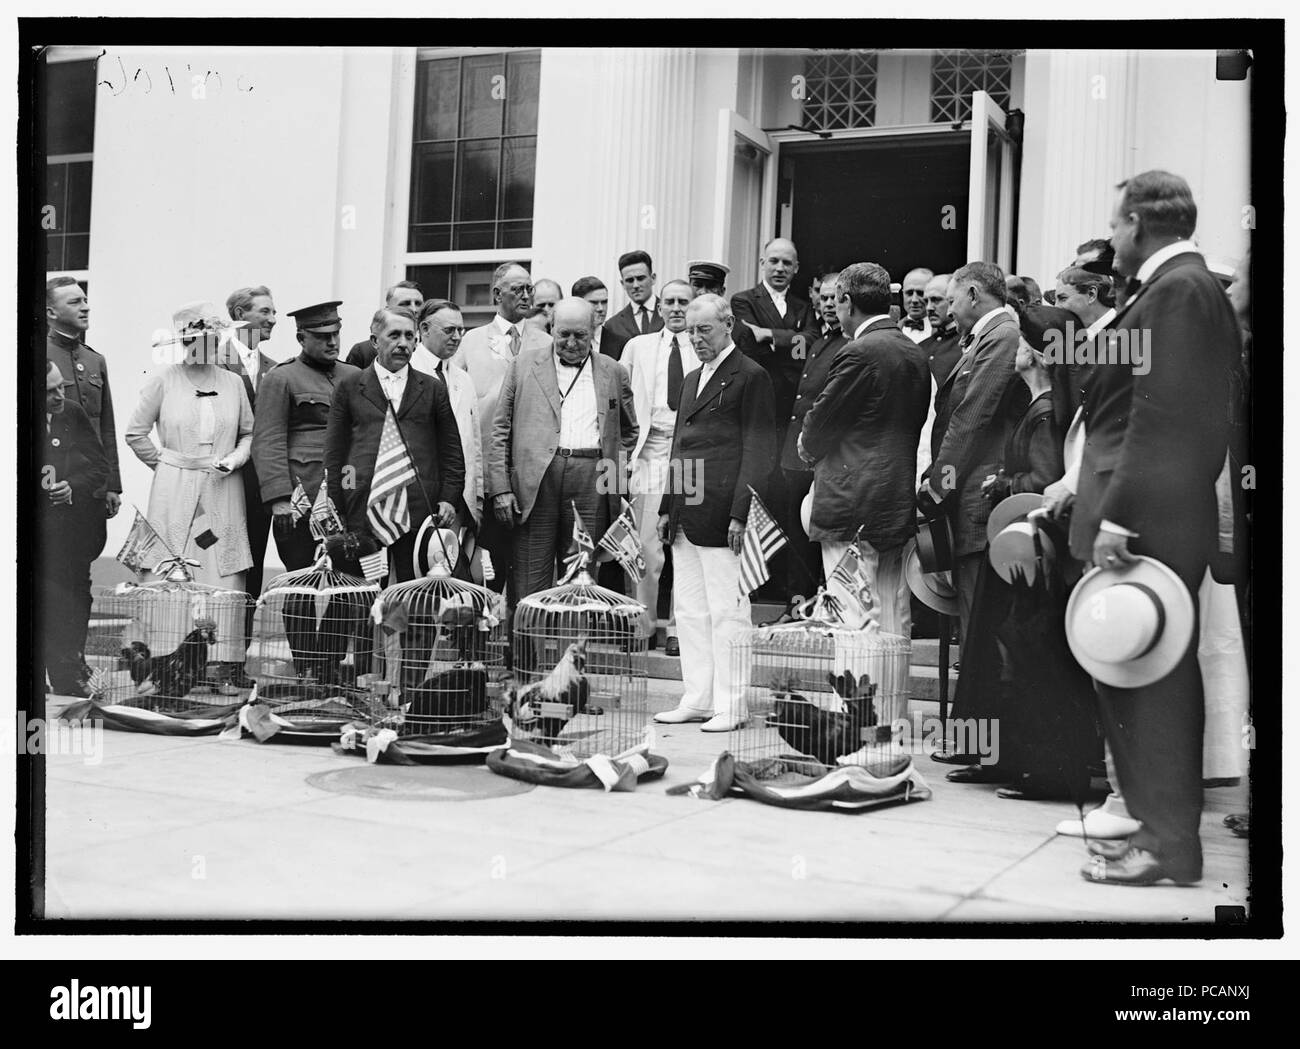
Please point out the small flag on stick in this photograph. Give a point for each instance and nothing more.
(763, 538)
(585, 551)
(324, 521)
(374, 566)
(622, 540)
(299, 504)
(850, 589)
(143, 548)
(387, 510)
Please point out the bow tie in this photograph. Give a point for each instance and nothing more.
(918, 325)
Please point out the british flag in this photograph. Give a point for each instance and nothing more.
(387, 510)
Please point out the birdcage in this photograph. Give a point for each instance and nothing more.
(170, 645)
(821, 697)
(314, 645)
(440, 661)
(579, 661)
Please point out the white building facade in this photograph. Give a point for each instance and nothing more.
(333, 172)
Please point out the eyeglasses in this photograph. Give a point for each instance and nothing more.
(455, 332)
(520, 289)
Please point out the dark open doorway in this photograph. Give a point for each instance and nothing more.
(878, 200)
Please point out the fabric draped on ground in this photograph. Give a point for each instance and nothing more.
(534, 763)
(206, 721)
(384, 746)
(796, 785)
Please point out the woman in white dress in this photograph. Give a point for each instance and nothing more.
(204, 427)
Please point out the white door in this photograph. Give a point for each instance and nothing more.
(744, 192)
(992, 183)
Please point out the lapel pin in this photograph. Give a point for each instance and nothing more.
(54, 441)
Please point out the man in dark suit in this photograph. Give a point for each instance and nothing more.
(1156, 416)
(803, 566)
(564, 430)
(862, 433)
(942, 349)
(73, 469)
(405, 294)
(641, 315)
(426, 427)
(254, 309)
(776, 328)
(723, 446)
(985, 398)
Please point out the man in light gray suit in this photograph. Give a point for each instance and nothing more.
(486, 354)
(563, 417)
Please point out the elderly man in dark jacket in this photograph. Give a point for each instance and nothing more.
(862, 433)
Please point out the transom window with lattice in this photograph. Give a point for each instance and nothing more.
(955, 74)
(841, 90)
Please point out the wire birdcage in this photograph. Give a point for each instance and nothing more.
(821, 696)
(440, 659)
(157, 644)
(314, 644)
(579, 660)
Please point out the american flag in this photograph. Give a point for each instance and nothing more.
(375, 566)
(389, 516)
(762, 539)
(850, 592)
(324, 521)
(621, 540)
(299, 504)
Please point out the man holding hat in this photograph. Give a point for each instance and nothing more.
(1156, 440)
(293, 407)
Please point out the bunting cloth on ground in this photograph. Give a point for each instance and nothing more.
(792, 785)
(383, 746)
(534, 763)
(763, 538)
(259, 721)
(208, 722)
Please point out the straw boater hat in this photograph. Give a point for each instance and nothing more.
(429, 550)
(1011, 538)
(1129, 626)
(195, 319)
(932, 589)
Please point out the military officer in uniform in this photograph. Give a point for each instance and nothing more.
(293, 408)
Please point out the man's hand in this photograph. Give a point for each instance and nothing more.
(1110, 550)
(1057, 498)
(112, 503)
(804, 456)
(664, 530)
(506, 508)
(760, 334)
(446, 515)
(736, 536)
(281, 519)
(60, 494)
(928, 504)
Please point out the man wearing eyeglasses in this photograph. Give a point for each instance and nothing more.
(486, 353)
(441, 329)
(723, 443)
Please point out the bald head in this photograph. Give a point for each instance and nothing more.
(571, 328)
(780, 262)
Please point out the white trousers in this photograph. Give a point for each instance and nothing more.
(649, 482)
(884, 570)
(710, 612)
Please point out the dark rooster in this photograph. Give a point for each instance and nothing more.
(542, 709)
(174, 675)
(828, 734)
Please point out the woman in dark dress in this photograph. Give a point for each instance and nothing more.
(1016, 666)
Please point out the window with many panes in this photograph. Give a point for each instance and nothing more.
(474, 152)
(955, 74)
(66, 114)
(840, 90)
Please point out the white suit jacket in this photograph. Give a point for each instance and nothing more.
(485, 354)
(464, 405)
(641, 359)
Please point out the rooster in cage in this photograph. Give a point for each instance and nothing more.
(826, 734)
(175, 674)
(566, 684)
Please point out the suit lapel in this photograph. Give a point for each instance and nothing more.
(372, 390)
(544, 373)
(768, 308)
(600, 384)
(974, 348)
(718, 382)
(415, 385)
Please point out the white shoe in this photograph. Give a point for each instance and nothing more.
(722, 722)
(681, 715)
(1100, 824)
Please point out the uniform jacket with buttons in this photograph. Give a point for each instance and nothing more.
(72, 453)
(293, 410)
(723, 446)
(863, 431)
(816, 370)
(526, 427)
(85, 373)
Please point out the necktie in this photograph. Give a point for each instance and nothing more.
(437, 374)
(514, 341)
(779, 302)
(966, 340)
(918, 325)
(674, 373)
(645, 321)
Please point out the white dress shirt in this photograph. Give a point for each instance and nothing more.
(651, 306)
(1077, 435)
(505, 327)
(578, 425)
(249, 358)
(393, 383)
(424, 360)
(868, 322)
(778, 298)
(707, 370)
(662, 417)
(988, 319)
(917, 335)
